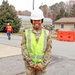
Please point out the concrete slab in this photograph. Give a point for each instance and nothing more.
(6, 50)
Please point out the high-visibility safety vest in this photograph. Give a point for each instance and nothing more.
(9, 28)
(36, 49)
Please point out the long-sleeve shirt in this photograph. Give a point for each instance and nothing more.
(47, 54)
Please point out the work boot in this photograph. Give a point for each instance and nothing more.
(9, 38)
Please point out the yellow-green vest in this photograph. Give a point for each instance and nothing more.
(36, 49)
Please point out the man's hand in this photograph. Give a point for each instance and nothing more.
(37, 67)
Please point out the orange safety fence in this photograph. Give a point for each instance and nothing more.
(66, 36)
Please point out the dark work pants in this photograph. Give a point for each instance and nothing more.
(9, 34)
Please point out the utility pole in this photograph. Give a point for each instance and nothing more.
(41, 5)
(33, 4)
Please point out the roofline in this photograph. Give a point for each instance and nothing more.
(64, 22)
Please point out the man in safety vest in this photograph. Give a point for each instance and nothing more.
(36, 45)
(9, 30)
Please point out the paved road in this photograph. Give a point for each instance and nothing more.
(14, 65)
(62, 60)
(15, 40)
(61, 48)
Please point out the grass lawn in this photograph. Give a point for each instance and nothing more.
(54, 36)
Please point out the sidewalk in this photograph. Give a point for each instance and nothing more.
(6, 50)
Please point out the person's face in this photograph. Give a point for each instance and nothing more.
(36, 24)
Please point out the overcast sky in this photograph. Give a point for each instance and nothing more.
(27, 4)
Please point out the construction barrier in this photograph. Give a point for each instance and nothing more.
(66, 36)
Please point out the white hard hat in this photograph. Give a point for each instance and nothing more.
(8, 24)
(37, 14)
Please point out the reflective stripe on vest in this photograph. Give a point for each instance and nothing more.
(36, 57)
(39, 57)
(29, 40)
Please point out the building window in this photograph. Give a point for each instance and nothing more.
(74, 26)
(62, 25)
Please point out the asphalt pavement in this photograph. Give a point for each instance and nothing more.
(11, 62)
